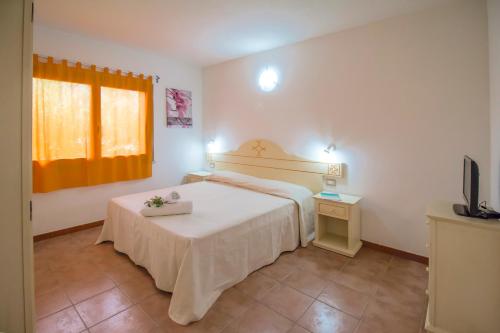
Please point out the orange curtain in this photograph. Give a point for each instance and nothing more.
(89, 127)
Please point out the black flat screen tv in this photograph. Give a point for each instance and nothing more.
(470, 189)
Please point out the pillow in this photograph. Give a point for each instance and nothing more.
(275, 187)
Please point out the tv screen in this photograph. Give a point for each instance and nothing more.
(471, 185)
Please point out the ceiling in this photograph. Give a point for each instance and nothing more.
(206, 32)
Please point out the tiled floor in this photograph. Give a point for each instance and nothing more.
(81, 287)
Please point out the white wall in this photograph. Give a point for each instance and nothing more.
(494, 35)
(176, 150)
(404, 99)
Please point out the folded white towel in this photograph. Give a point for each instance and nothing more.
(179, 207)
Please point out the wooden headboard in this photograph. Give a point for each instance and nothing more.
(265, 159)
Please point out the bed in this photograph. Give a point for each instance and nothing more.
(240, 223)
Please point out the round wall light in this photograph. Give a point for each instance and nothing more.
(268, 79)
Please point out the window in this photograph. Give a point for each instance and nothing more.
(122, 122)
(61, 117)
(89, 127)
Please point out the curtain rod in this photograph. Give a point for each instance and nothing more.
(73, 63)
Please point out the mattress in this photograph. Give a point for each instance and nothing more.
(232, 232)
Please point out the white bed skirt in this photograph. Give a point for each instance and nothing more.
(231, 233)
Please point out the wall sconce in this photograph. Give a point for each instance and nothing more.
(211, 146)
(331, 147)
(268, 79)
(211, 149)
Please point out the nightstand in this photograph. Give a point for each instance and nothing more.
(197, 176)
(338, 223)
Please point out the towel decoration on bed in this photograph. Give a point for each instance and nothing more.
(170, 205)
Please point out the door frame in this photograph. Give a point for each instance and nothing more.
(26, 165)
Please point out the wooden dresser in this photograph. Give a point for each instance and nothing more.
(464, 272)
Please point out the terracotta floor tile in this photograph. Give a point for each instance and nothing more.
(413, 267)
(61, 262)
(335, 257)
(402, 295)
(46, 282)
(169, 326)
(156, 306)
(321, 318)
(65, 321)
(358, 281)
(306, 282)
(121, 272)
(41, 265)
(344, 298)
(382, 317)
(298, 329)
(72, 272)
(257, 285)
(107, 255)
(139, 288)
(213, 322)
(321, 265)
(313, 251)
(51, 302)
(132, 320)
(259, 318)
(87, 237)
(291, 259)
(366, 267)
(102, 306)
(279, 270)
(371, 255)
(407, 277)
(288, 302)
(233, 302)
(80, 290)
(64, 242)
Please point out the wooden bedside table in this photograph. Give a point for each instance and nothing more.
(197, 176)
(338, 223)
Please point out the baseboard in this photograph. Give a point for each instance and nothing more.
(396, 252)
(77, 228)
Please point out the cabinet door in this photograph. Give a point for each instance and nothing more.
(466, 269)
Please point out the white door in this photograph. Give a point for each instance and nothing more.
(16, 240)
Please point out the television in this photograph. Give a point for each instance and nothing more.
(470, 189)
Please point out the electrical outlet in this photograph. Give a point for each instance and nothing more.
(331, 182)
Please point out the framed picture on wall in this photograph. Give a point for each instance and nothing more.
(179, 113)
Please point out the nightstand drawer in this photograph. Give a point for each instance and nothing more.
(338, 211)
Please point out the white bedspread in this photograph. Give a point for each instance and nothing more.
(231, 232)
